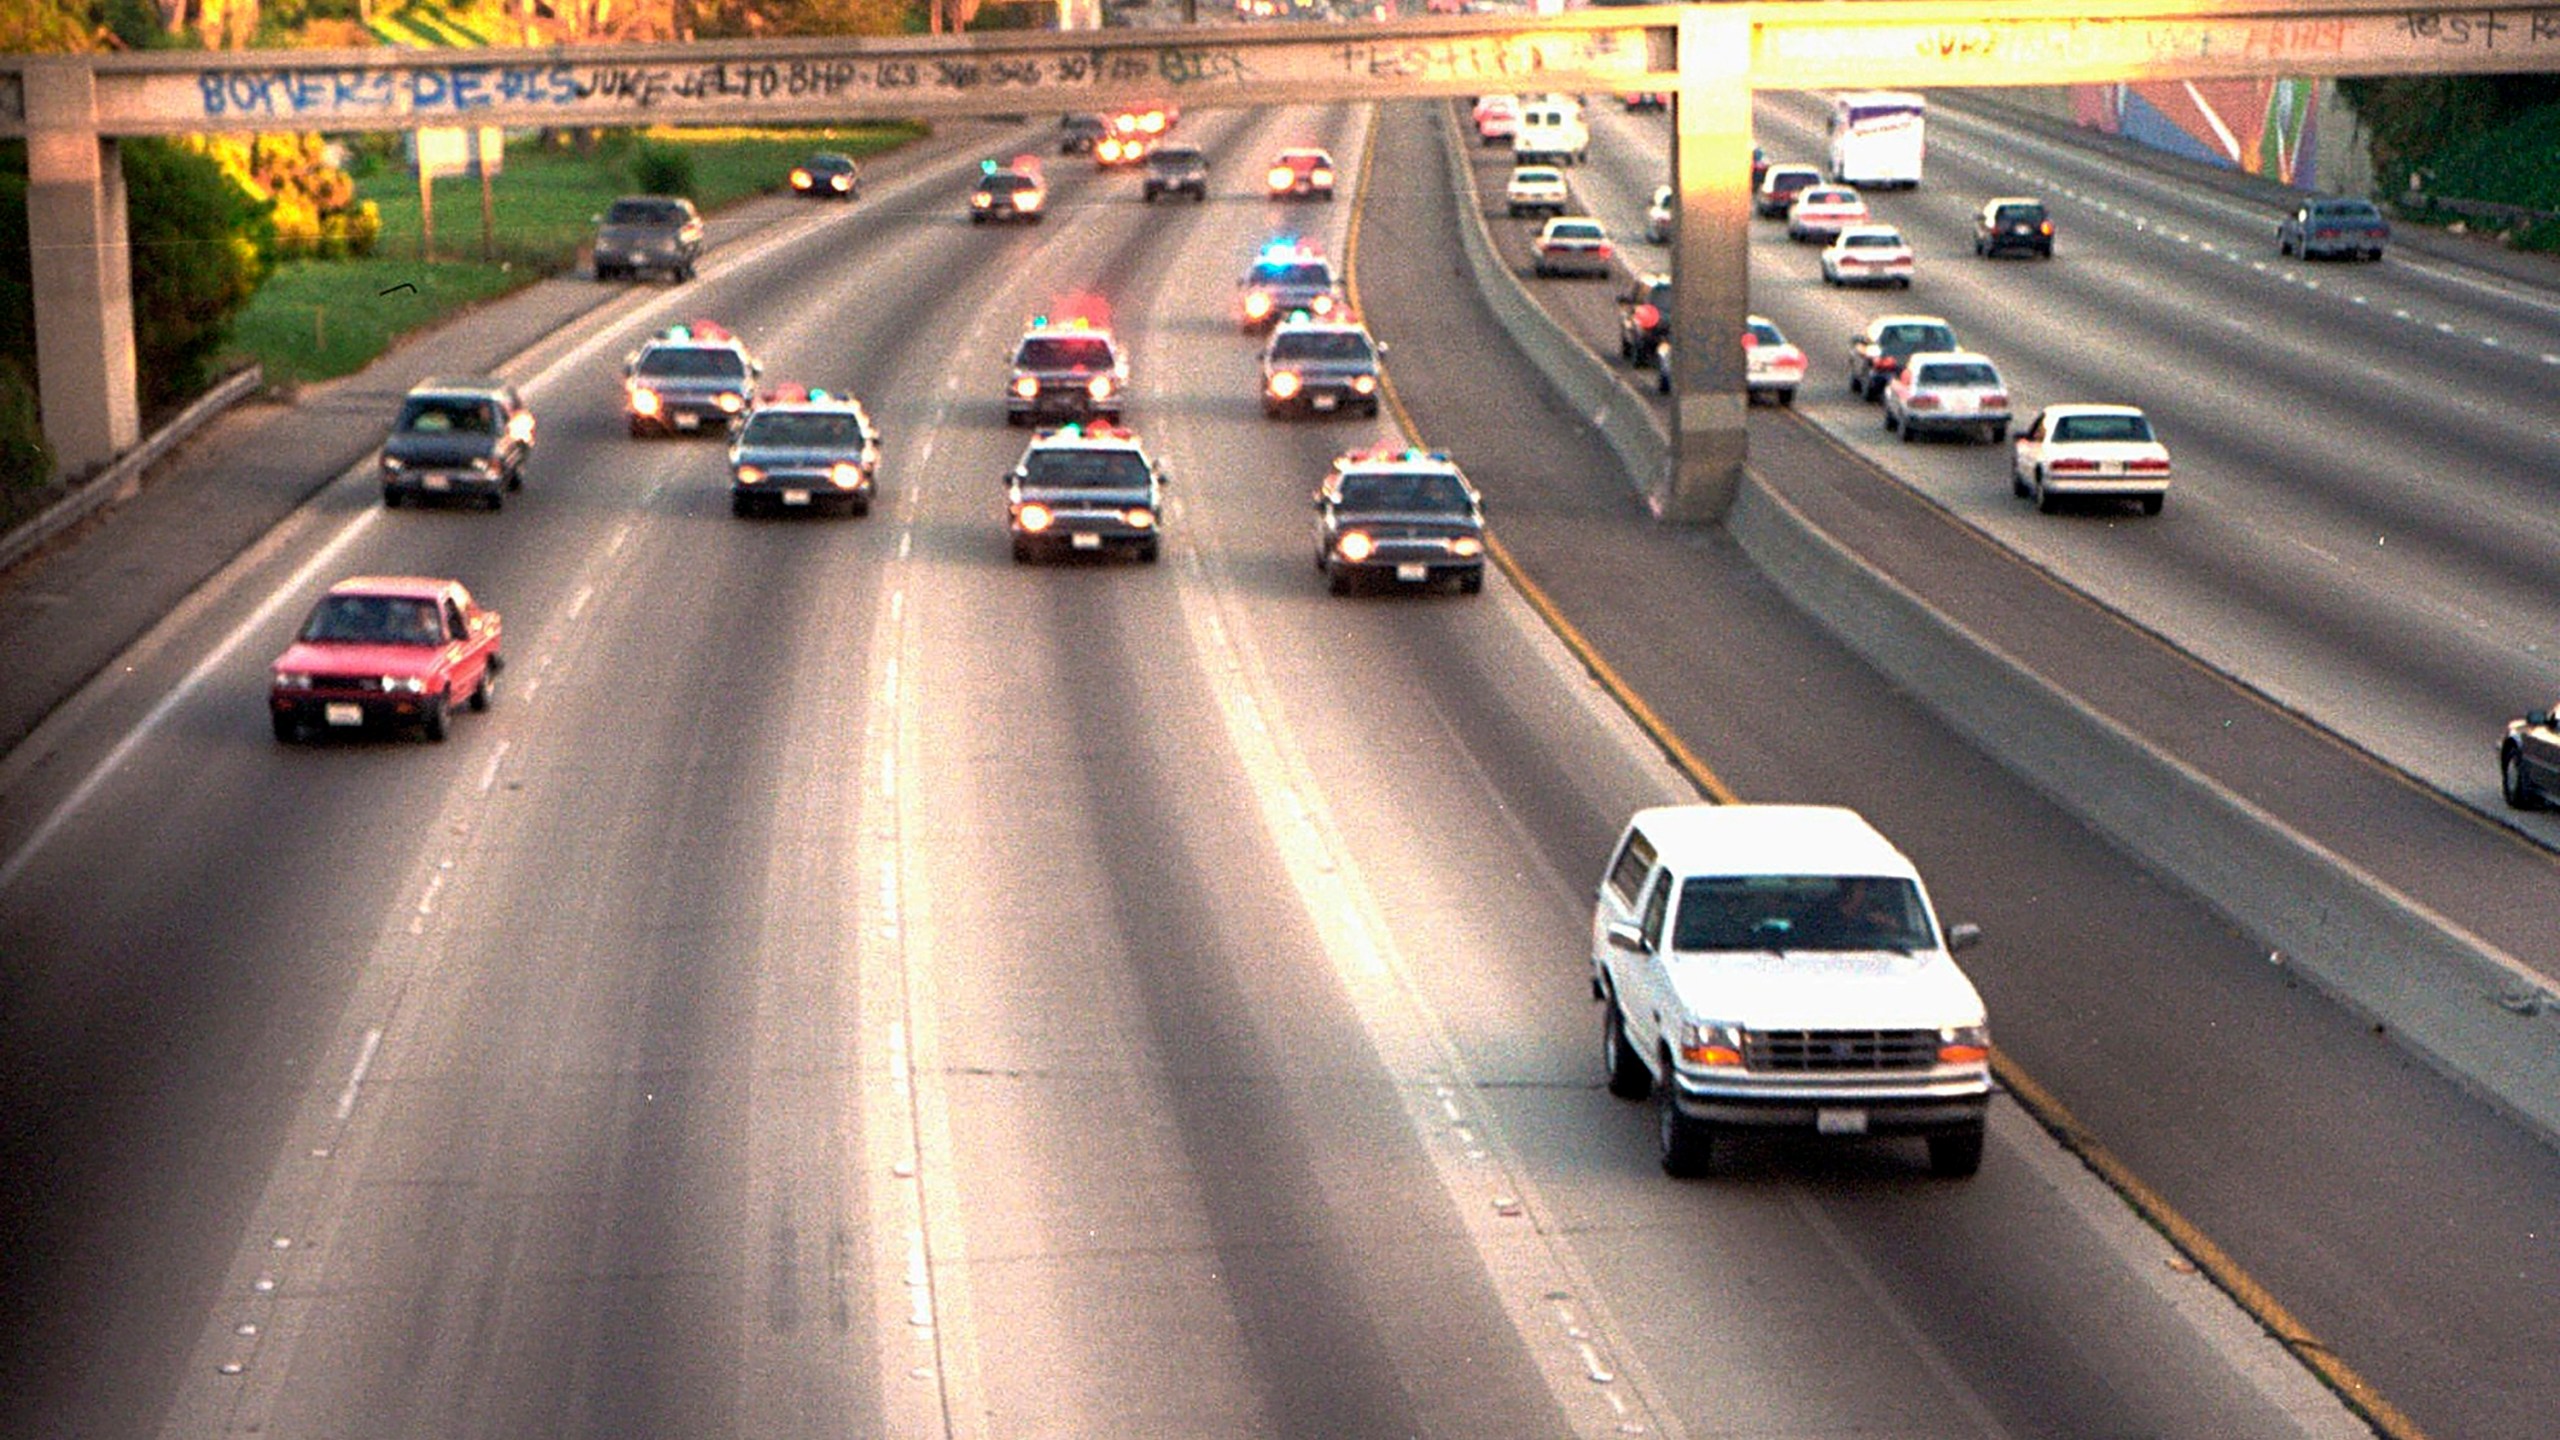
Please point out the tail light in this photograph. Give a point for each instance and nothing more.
(1995, 401)
(1647, 317)
(1604, 251)
(1921, 400)
(2146, 466)
(2073, 467)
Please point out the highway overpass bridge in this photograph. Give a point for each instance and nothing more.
(72, 110)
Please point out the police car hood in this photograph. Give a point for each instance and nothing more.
(1085, 496)
(446, 450)
(809, 457)
(1407, 522)
(1825, 989)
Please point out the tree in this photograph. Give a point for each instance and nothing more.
(199, 250)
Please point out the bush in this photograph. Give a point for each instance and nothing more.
(662, 169)
(26, 462)
(199, 251)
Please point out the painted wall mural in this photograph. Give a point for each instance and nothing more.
(2264, 127)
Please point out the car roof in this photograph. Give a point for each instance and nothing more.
(1083, 437)
(2082, 407)
(1819, 194)
(482, 385)
(1791, 168)
(407, 587)
(1848, 230)
(1314, 323)
(1931, 357)
(1770, 840)
(832, 405)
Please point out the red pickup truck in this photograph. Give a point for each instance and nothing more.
(381, 652)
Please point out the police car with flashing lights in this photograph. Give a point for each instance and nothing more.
(1406, 516)
(804, 449)
(1003, 193)
(1316, 367)
(1072, 371)
(688, 378)
(1088, 488)
(1287, 276)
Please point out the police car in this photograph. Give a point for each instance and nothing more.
(804, 449)
(688, 378)
(1314, 367)
(1070, 371)
(1008, 193)
(1287, 276)
(1085, 488)
(1407, 516)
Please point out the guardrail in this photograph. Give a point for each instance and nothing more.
(122, 479)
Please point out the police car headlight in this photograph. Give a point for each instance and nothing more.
(1034, 517)
(1100, 387)
(729, 402)
(1355, 545)
(1285, 384)
(981, 200)
(845, 473)
(1029, 199)
(1257, 305)
(1323, 305)
(1467, 546)
(480, 465)
(392, 462)
(1027, 386)
(644, 402)
(1139, 517)
(1363, 384)
(750, 474)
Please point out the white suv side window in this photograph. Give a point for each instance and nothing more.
(1657, 908)
(1627, 872)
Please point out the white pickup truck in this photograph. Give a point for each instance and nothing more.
(1778, 967)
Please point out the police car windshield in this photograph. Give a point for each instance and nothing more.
(448, 417)
(1065, 352)
(1800, 912)
(1429, 491)
(694, 362)
(1292, 272)
(1061, 469)
(808, 431)
(1319, 345)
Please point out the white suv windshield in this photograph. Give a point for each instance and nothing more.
(1800, 912)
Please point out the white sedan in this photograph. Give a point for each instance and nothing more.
(1533, 189)
(1822, 211)
(1867, 255)
(2101, 450)
(1574, 245)
(1947, 390)
(1772, 364)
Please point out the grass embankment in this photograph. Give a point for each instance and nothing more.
(314, 319)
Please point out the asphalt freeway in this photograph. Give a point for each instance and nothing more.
(852, 983)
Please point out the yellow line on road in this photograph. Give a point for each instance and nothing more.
(2043, 1105)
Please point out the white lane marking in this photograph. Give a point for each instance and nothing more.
(489, 775)
(578, 602)
(355, 1077)
(220, 655)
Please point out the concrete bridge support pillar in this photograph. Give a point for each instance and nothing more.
(83, 276)
(1710, 263)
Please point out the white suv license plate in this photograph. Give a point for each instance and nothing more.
(1085, 540)
(1413, 570)
(338, 713)
(1830, 1120)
